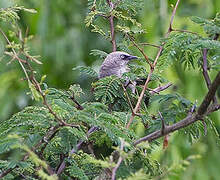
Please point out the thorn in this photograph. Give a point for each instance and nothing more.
(163, 127)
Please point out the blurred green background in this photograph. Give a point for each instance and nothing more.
(63, 42)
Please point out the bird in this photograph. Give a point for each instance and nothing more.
(116, 64)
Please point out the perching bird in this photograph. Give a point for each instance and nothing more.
(116, 64)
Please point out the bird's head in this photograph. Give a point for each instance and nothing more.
(120, 57)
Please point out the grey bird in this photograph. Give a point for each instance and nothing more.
(116, 64)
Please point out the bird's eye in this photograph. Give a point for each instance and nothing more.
(123, 56)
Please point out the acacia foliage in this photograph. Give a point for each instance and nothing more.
(25, 133)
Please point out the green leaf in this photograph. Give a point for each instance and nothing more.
(86, 71)
(96, 52)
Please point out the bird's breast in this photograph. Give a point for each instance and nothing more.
(122, 70)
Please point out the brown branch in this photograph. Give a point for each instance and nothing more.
(4, 173)
(172, 18)
(78, 105)
(47, 139)
(205, 68)
(185, 31)
(111, 21)
(202, 111)
(129, 100)
(141, 50)
(120, 159)
(38, 88)
(159, 89)
(32, 80)
(112, 28)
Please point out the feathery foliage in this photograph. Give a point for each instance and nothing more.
(64, 137)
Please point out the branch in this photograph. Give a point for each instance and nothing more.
(120, 159)
(202, 111)
(172, 18)
(51, 134)
(62, 165)
(112, 28)
(141, 50)
(128, 98)
(159, 89)
(78, 105)
(149, 44)
(185, 31)
(32, 80)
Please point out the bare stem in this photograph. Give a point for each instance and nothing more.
(129, 101)
(149, 44)
(160, 88)
(141, 50)
(186, 31)
(120, 159)
(112, 28)
(172, 18)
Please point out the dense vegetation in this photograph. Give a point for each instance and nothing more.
(98, 129)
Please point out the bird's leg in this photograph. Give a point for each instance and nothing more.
(132, 86)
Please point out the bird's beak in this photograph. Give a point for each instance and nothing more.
(132, 57)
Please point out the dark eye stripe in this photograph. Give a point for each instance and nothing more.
(123, 56)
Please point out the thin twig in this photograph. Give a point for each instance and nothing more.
(34, 81)
(31, 80)
(185, 31)
(78, 105)
(141, 50)
(129, 100)
(120, 159)
(149, 44)
(159, 89)
(112, 28)
(172, 18)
